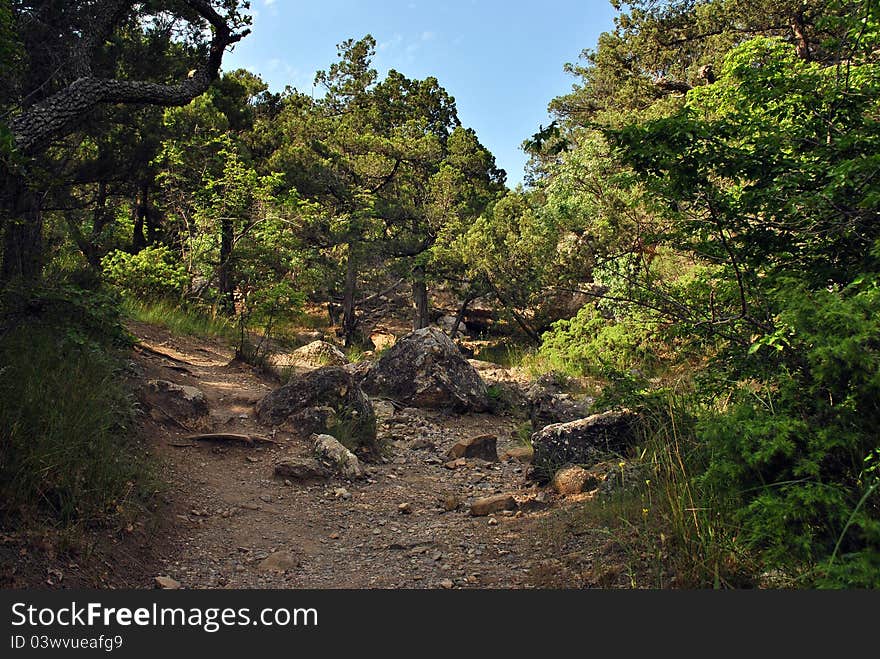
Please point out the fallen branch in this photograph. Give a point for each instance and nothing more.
(250, 440)
(144, 347)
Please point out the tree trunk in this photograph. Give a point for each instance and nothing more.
(459, 317)
(142, 200)
(420, 298)
(799, 28)
(349, 316)
(227, 288)
(22, 236)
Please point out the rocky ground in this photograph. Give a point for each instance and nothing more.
(226, 520)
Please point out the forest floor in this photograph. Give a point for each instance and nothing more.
(224, 520)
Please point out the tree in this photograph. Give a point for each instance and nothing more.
(71, 69)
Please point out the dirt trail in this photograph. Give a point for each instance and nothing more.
(227, 514)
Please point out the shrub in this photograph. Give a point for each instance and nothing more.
(153, 273)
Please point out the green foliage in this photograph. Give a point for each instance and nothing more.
(152, 274)
(180, 318)
(65, 446)
(793, 451)
(590, 344)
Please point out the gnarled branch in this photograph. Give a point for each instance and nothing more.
(34, 128)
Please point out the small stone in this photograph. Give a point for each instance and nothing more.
(492, 504)
(280, 561)
(449, 502)
(572, 479)
(334, 535)
(341, 493)
(493, 521)
(404, 508)
(482, 447)
(455, 464)
(447, 584)
(167, 583)
(252, 459)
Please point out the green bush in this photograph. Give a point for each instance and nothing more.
(153, 273)
(794, 453)
(589, 344)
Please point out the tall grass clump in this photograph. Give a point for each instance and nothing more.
(66, 451)
(180, 319)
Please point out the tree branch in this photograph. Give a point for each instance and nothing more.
(58, 114)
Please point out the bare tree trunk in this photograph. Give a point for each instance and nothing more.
(349, 316)
(798, 27)
(459, 317)
(420, 298)
(227, 292)
(22, 236)
(138, 241)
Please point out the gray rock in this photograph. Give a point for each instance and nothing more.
(547, 404)
(426, 370)
(583, 442)
(180, 401)
(324, 401)
(302, 470)
(328, 449)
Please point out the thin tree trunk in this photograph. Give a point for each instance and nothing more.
(459, 317)
(349, 317)
(138, 241)
(420, 298)
(23, 236)
(227, 293)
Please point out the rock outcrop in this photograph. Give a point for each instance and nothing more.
(583, 442)
(425, 369)
(324, 401)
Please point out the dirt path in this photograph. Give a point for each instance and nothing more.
(231, 523)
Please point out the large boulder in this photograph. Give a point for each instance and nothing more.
(425, 369)
(324, 401)
(583, 442)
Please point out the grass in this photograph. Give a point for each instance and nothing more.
(66, 451)
(180, 320)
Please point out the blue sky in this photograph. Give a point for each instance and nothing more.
(501, 60)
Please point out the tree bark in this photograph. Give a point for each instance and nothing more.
(459, 317)
(57, 115)
(349, 313)
(23, 236)
(225, 279)
(420, 298)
